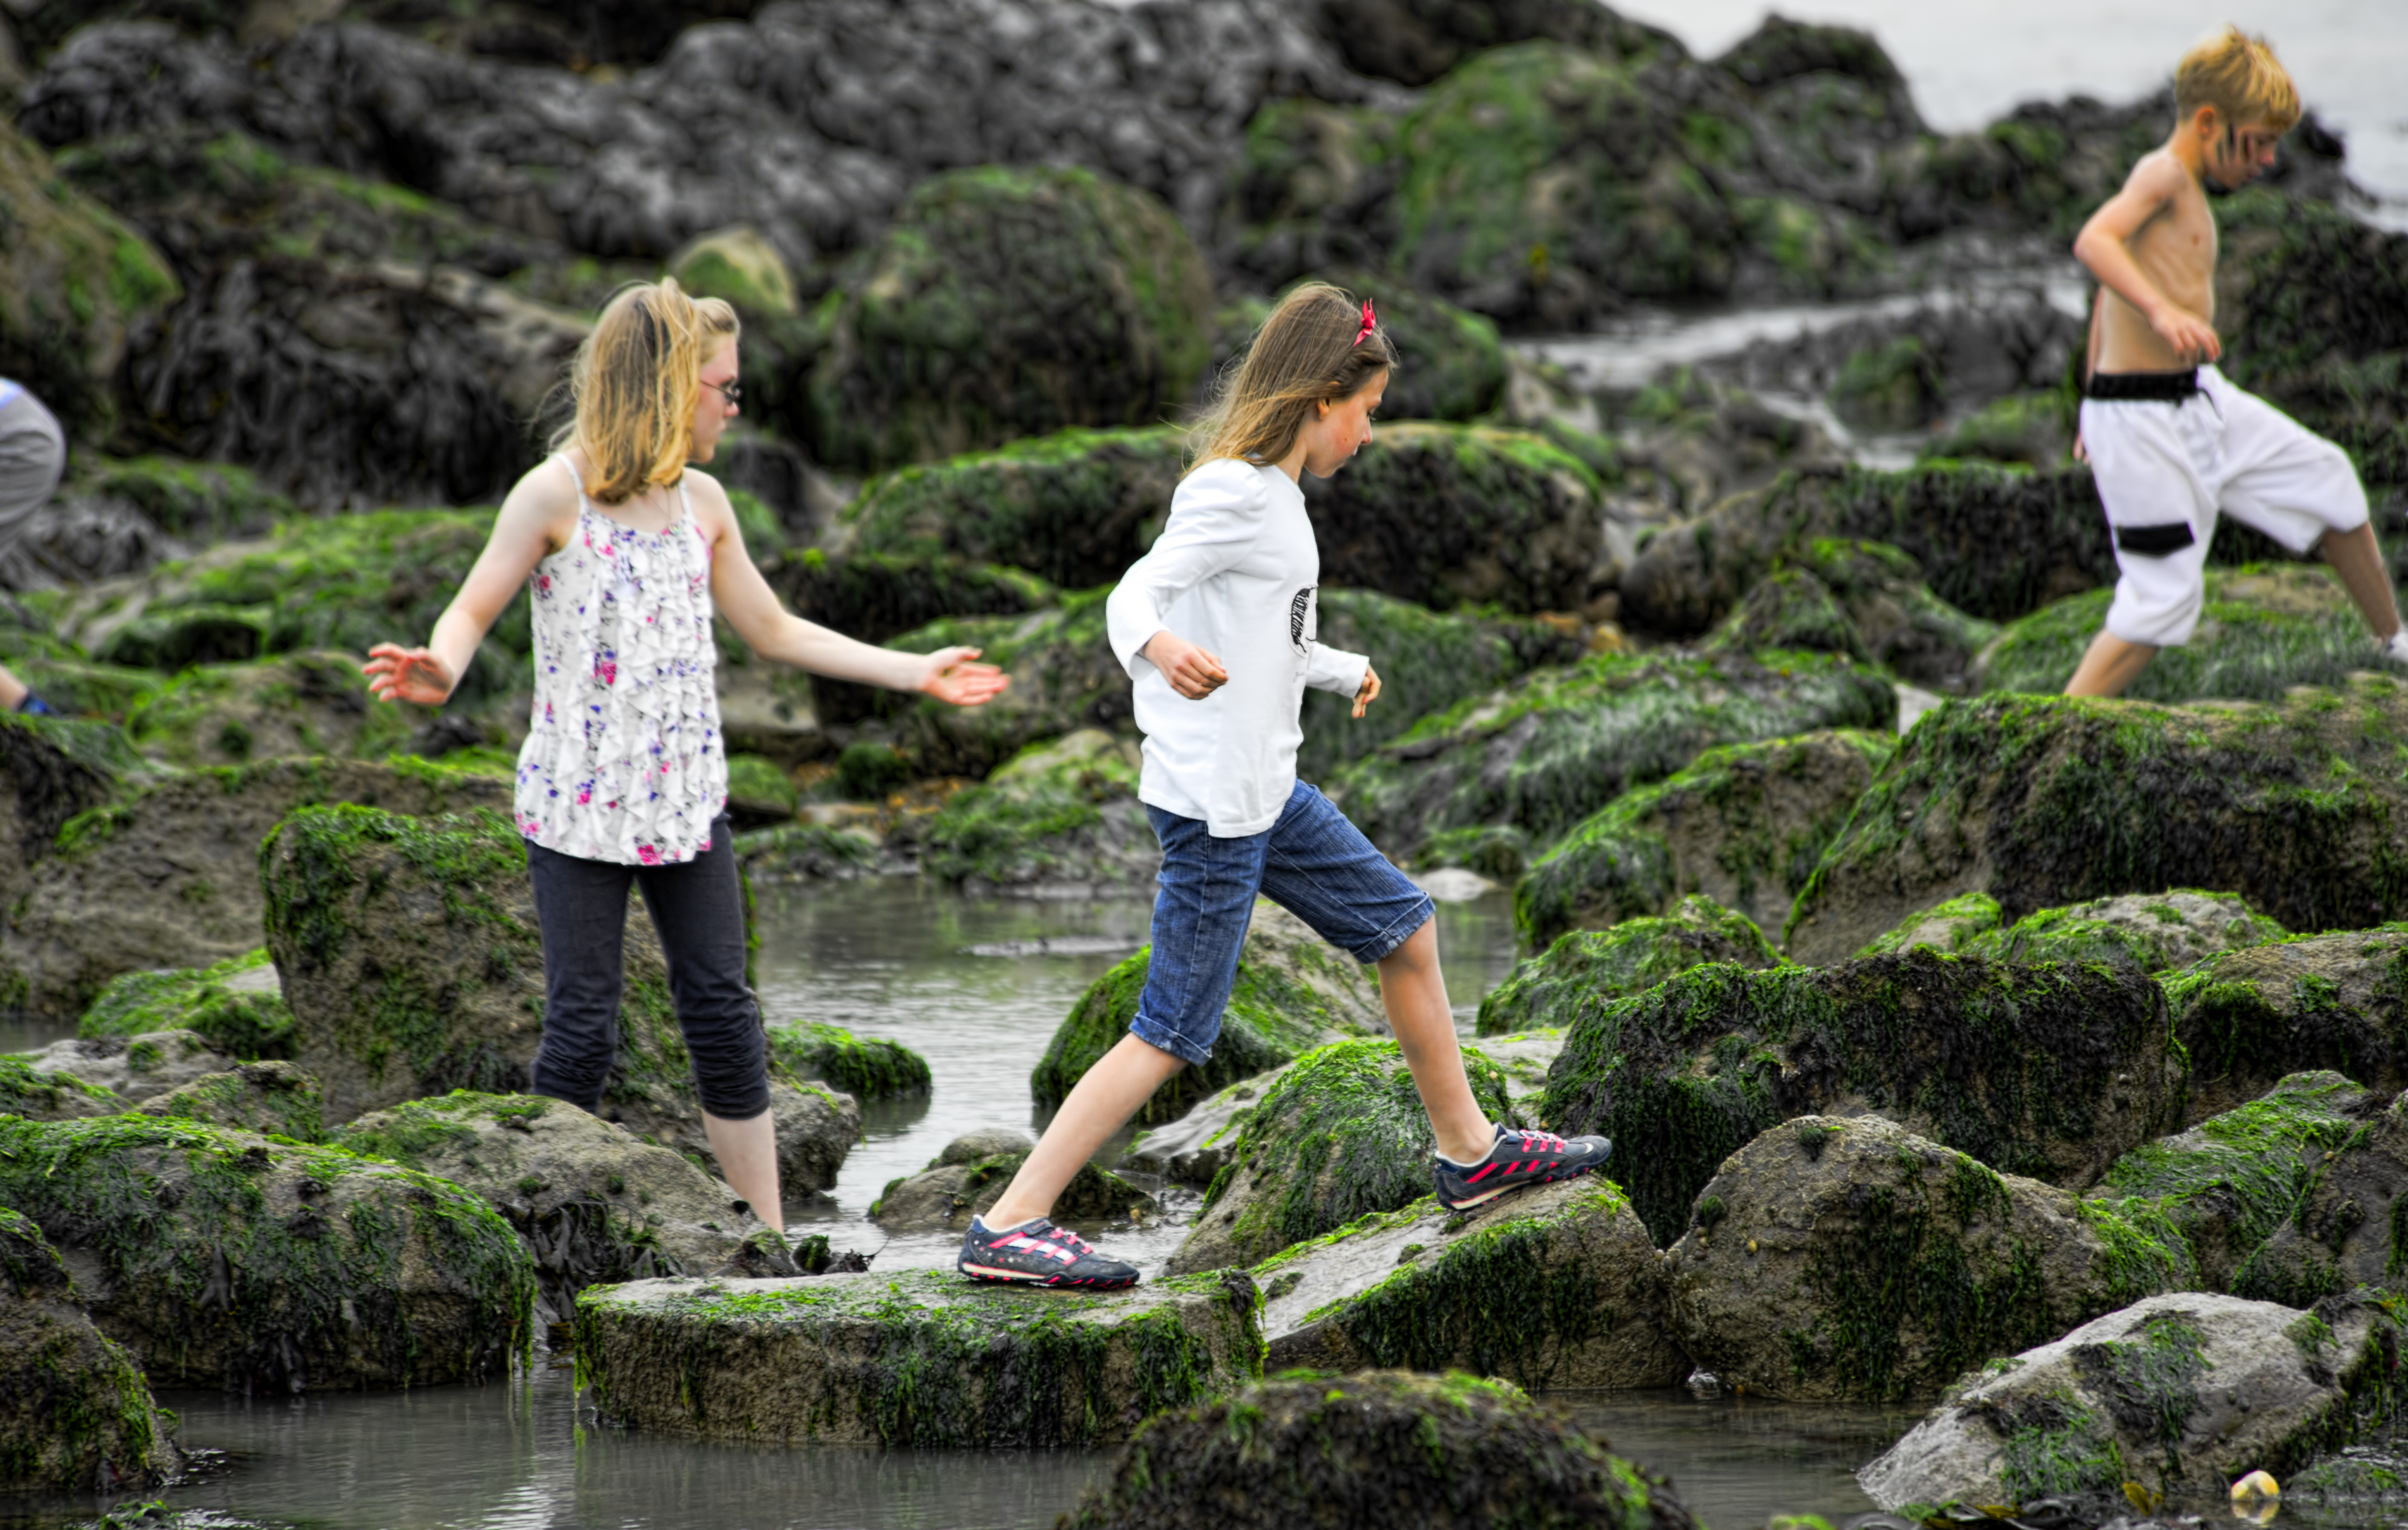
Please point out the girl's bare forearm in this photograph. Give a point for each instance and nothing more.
(808, 646)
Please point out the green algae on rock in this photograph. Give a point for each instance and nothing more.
(2227, 1183)
(2347, 1228)
(2051, 1072)
(1312, 1448)
(878, 595)
(1009, 302)
(591, 1201)
(1293, 992)
(1340, 1135)
(1057, 813)
(2150, 933)
(1064, 678)
(759, 795)
(76, 1413)
(1587, 967)
(1743, 825)
(294, 705)
(921, 1359)
(1555, 1287)
(1867, 600)
(2035, 429)
(1849, 1258)
(869, 1068)
(2334, 1001)
(2178, 1394)
(2042, 802)
(237, 1004)
(272, 1099)
(168, 872)
(52, 1094)
(2264, 629)
(52, 769)
(1950, 928)
(131, 1069)
(960, 1184)
(1559, 745)
(229, 1260)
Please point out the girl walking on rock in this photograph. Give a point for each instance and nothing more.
(623, 775)
(1216, 627)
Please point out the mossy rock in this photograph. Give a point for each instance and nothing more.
(179, 636)
(1057, 814)
(2042, 802)
(1537, 757)
(875, 596)
(1849, 1259)
(2124, 1407)
(805, 852)
(955, 1187)
(1587, 967)
(1867, 600)
(869, 1068)
(1076, 506)
(592, 1203)
(2348, 1226)
(413, 965)
(1454, 515)
(1310, 1448)
(271, 1100)
(2265, 628)
(921, 1359)
(295, 706)
(1950, 927)
(78, 1415)
(2337, 1001)
(131, 1069)
(1338, 1135)
(205, 502)
(759, 795)
(2137, 932)
(1293, 992)
(2035, 429)
(52, 769)
(52, 1094)
(739, 265)
(2050, 1072)
(167, 874)
(1555, 1287)
(227, 1260)
(1893, 385)
(237, 1004)
(1743, 825)
(2229, 1182)
(1064, 678)
(78, 282)
(1009, 302)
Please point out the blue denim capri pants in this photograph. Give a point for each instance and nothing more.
(1312, 863)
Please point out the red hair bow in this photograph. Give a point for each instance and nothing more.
(1369, 321)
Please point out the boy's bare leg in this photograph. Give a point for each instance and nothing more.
(2357, 558)
(12, 691)
(2111, 664)
(1415, 992)
(1099, 1104)
(747, 1151)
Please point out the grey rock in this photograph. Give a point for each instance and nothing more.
(272, 1098)
(76, 1414)
(134, 1068)
(2322, 1001)
(953, 1189)
(2142, 932)
(2340, 1235)
(972, 1146)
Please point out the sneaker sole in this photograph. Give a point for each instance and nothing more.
(1487, 1196)
(988, 1273)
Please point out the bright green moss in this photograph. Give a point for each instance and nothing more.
(247, 1023)
(1025, 820)
(2161, 937)
(1950, 927)
(867, 1068)
(763, 790)
(2035, 429)
(2056, 1446)
(26, 1092)
(1590, 967)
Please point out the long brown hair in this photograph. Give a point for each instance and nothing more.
(634, 386)
(1307, 352)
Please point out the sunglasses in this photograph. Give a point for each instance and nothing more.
(730, 391)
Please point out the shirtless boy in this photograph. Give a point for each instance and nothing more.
(2171, 442)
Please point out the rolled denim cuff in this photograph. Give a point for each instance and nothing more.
(1163, 1039)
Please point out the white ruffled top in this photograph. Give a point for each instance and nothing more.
(626, 761)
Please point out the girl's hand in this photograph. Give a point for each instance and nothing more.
(1192, 671)
(409, 674)
(1371, 691)
(951, 676)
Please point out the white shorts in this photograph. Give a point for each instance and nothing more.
(2164, 467)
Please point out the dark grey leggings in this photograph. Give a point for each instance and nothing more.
(698, 908)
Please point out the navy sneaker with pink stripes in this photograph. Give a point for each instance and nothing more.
(1037, 1253)
(1519, 1158)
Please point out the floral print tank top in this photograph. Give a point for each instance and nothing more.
(626, 761)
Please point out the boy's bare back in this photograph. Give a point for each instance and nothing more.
(2171, 238)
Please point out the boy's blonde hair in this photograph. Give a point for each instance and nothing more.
(634, 386)
(2239, 77)
(1306, 352)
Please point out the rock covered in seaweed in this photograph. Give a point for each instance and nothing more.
(221, 1259)
(271, 1099)
(969, 1175)
(2248, 1017)
(2045, 801)
(591, 1201)
(2347, 1228)
(1316, 1449)
(237, 1004)
(923, 1359)
(1064, 679)
(1293, 991)
(877, 595)
(1599, 967)
(1340, 1135)
(1867, 600)
(2149, 933)
(2181, 1393)
(869, 1068)
(292, 706)
(1557, 1286)
(2051, 1072)
(1847, 1258)
(133, 1068)
(52, 1094)
(167, 875)
(51, 770)
(1743, 825)
(1055, 817)
(1950, 928)
(1524, 764)
(78, 1414)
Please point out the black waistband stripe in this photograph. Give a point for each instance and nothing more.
(2142, 387)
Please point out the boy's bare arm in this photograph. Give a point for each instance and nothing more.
(2104, 246)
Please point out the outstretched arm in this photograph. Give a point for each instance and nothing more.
(751, 606)
(2103, 245)
(527, 529)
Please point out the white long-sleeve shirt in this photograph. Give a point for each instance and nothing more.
(1234, 572)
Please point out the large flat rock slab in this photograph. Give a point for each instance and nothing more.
(925, 1358)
